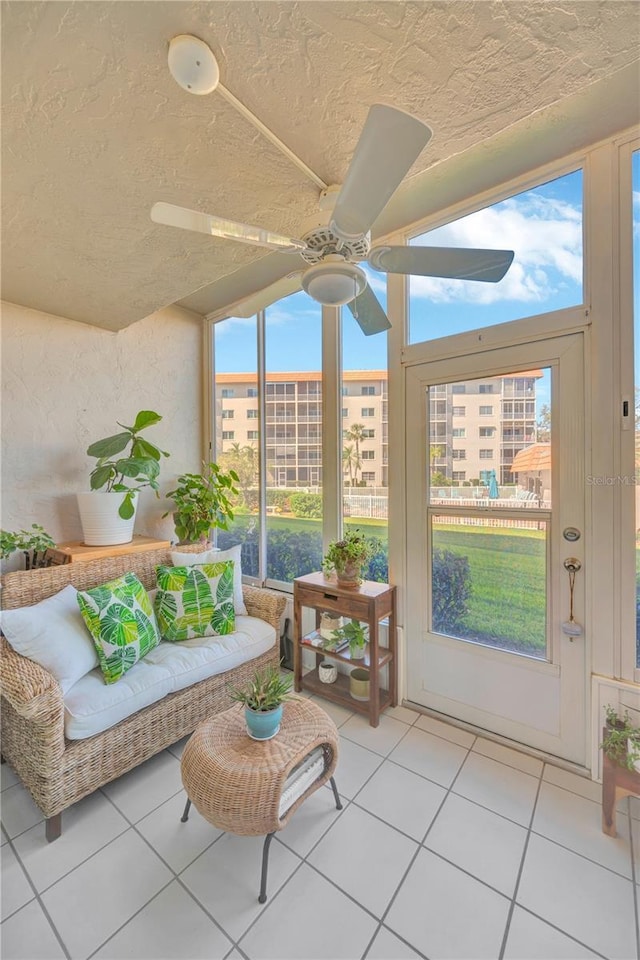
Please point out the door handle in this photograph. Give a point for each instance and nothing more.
(571, 628)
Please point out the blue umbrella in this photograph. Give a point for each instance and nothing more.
(494, 493)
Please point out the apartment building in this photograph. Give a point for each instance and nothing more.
(477, 426)
(293, 421)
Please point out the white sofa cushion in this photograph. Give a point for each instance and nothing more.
(53, 634)
(92, 706)
(217, 556)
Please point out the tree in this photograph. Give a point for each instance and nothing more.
(350, 462)
(244, 460)
(355, 434)
(543, 426)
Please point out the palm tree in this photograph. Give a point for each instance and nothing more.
(350, 462)
(244, 460)
(356, 433)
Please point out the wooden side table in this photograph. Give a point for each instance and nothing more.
(75, 550)
(369, 603)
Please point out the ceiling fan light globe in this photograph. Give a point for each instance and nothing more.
(334, 284)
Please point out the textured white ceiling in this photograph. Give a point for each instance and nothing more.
(95, 130)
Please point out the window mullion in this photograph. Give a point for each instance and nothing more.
(331, 425)
(262, 449)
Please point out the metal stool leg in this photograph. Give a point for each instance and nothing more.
(185, 815)
(265, 866)
(335, 794)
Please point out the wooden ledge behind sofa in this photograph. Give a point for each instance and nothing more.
(58, 772)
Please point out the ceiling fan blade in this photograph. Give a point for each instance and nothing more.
(454, 263)
(368, 312)
(389, 144)
(173, 216)
(264, 298)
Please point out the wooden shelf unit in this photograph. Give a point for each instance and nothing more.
(369, 603)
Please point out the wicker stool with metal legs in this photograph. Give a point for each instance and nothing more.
(252, 787)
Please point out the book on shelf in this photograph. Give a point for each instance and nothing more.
(316, 640)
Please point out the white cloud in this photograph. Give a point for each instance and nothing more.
(546, 235)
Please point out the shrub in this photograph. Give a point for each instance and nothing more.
(307, 505)
(451, 589)
(278, 498)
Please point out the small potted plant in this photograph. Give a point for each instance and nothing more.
(203, 501)
(355, 634)
(108, 515)
(621, 740)
(347, 557)
(34, 544)
(263, 698)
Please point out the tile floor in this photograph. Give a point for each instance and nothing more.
(448, 846)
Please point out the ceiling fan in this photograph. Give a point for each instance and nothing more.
(389, 144)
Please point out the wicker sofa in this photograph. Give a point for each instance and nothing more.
(58, 772)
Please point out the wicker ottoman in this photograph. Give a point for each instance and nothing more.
(252, 787)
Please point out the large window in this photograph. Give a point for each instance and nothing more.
(635, 180)
(544, 228)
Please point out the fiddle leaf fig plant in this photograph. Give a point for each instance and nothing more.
(138, 468)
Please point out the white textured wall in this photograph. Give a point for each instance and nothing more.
(65, 384)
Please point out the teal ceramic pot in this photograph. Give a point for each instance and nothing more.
(263, 725)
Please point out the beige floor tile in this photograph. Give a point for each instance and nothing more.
(16, 889)
(586, 901)
(386, 946)
(172, 927)
(19, 812)
(402, 798)
(481, 842)
(402, 713)
(445, 913)
(533, 939)
(503, 789)
(513, 758)
(431, 757)
(27, 935)
(338, 713)
(355, 766)
(352, 852)
(572, 782)
(310, 919)
(448, 731)
(310, 821)
(143, 789)
(176, 842)
(381, 739)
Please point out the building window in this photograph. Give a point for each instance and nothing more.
(459, 411)
(459, 454)
(459, 388)
(486, 411)
(252, 414)
(253, 434)
(487, 431)
(227, 392)
(486, 388)
(486, 454)
(345, 391)
(345, 412)
(368, 434)
(459, 475)
(228, 414)
(368, 391)
(368, 455)
(369, 476)
(368, 412)
(459, 432)
(252, 391)
(228, 434)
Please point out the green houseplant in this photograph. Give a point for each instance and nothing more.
(263, 698)
(346, 557)
(203, 501)
(126, 464)
(621, 739)
(355, 633)
(34, 544)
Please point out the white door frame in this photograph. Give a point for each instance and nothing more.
(563, 680)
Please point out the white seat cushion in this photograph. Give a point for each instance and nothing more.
(92, 706)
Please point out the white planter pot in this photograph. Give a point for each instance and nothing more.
(102, 525)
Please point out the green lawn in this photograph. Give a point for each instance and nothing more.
(507, 568)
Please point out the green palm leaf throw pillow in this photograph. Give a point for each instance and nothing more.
(122, 623)
(195, 601)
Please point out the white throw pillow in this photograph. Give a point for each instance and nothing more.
(217, 556)
(53, 634)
